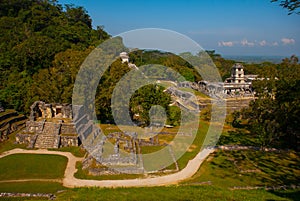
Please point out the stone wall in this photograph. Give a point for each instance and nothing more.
(68, 141)
(53, 110)
(37, 133)
(29, 139)
(68, 128)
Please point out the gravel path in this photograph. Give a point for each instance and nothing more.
(70, 181)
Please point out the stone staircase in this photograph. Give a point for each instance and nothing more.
(51, 129)
(45, 141)
(49, 136)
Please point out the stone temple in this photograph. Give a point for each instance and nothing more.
(49, 126)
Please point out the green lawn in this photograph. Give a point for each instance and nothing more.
(76, 151)
(195, 147)
(31, 187)
(32, 166)
(205, 193)
(226, 169)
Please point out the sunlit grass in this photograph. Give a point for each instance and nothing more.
(32, 166)
(249, 168)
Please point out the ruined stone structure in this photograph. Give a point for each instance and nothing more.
(183, 99)
(238, 82)
(49, 126)
(118, 149)
(237, 85)
(40, 109)
(10, 121)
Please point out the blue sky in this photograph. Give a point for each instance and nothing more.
(231, 27)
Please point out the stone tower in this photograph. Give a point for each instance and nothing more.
(237, 73)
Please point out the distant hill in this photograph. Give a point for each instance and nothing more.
(255, 59)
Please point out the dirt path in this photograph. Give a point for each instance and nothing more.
(70, 181)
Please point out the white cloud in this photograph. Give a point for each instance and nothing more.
(263, 43)
(226, 43)
(287, 41)
(245, 42)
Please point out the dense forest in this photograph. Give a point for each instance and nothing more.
(43, 43)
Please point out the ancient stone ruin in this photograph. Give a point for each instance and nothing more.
(237, 85)
(49, 126)
(10, 121)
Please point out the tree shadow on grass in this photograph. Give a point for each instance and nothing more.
(277, 168)
(238, 137)
(290, 194)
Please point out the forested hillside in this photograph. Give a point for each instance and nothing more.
(42, 45)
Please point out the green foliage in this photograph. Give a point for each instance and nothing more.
(174, 115)
(106, 87)
(146, 97)
(41, 48)
(274, 116)
(170, 60)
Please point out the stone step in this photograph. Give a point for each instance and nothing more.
(47, 141)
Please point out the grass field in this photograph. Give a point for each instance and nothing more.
(76, 151)
(197, 193)
(226, 169)
(31, 187)
(32, 166)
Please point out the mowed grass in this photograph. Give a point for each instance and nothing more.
(195, 146)
(32, 166)
(76, 151)
(227, 169)
(31, 187)
(197, 193)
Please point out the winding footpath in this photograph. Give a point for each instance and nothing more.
(70, 181)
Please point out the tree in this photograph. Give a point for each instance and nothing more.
(41, 48)
(275, 114)
(291, 5)
(147, 96)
